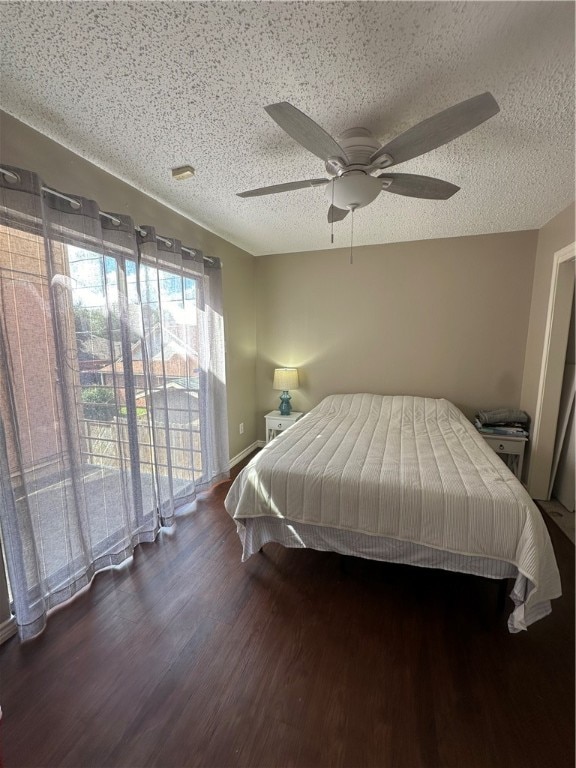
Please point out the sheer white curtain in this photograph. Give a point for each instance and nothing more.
(112, 388)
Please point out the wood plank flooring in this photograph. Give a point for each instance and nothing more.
(188, 657)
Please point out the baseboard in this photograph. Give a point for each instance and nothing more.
(7, 629)
(242, 455)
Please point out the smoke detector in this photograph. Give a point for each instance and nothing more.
(183, 172)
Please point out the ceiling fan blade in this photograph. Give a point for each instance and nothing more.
(412, 185)
(305, 130)
(275, 188)
(336, 214)
(439, 129)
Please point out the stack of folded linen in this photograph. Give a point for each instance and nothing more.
(503, 421)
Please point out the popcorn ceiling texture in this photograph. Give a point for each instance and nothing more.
(138, 88)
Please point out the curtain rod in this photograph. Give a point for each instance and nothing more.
(76, 205)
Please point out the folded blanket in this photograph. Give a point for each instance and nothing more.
(503, 416)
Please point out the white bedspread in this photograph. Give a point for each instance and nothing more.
(407, 468)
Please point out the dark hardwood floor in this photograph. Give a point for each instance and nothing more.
(188, 657)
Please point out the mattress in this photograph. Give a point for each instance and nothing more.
(407, 469)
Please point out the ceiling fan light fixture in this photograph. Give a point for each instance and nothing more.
(353, 190)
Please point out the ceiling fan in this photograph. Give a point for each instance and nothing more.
(354, 161)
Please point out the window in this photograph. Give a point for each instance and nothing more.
(112, 391)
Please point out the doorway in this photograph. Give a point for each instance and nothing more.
(551, 373)
(562, 480)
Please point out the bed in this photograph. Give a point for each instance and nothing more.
(399, 479)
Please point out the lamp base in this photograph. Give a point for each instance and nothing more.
(285, 407)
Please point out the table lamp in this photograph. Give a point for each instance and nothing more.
(285, 379)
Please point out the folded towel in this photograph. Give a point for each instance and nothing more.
(503, 416)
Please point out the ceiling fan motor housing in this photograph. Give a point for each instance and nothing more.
(353, 187)
(357, 155)
(359, 145)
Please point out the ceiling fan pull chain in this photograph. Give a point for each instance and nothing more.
(332, 218)
(352, 238)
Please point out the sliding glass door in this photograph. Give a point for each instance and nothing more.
(137, 387)
(112, 390)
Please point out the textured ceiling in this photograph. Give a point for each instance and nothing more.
(139, 88)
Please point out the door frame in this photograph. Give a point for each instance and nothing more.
(551, 372)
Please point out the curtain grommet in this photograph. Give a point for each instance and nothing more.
(10, 177)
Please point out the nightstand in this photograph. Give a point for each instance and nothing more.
(510, 449)
(275, 423)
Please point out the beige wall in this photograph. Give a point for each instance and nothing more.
(441, 318)
(68, 172)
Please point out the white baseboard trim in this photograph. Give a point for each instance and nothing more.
(242, 455)
(7, 629)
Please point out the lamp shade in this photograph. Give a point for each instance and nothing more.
(285, 379)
